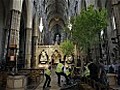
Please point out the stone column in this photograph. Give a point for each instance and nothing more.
(14, 27)
(13, 37)
(116, 11)
(35, 43)
(28, 33)
(28, 47)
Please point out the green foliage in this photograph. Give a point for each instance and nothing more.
(87, 25)
(67, 47)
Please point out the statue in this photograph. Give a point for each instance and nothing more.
(43, 56)
(57, 39)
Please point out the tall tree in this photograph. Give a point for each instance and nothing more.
(87, 25)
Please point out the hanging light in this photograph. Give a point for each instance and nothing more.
(41, 25)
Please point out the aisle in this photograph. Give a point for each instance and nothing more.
(54, 85)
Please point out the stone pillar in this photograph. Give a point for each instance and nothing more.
(116, 11)
(28, 47)
(28, 33)
(13, 37)
(35, 43)
(14, 28)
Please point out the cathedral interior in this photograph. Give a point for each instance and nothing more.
(31, 32)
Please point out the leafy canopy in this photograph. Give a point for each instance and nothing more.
(67, 47)
(86, 25)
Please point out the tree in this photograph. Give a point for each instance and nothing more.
(67, 47)
(87, 25)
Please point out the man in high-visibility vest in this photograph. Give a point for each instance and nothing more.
(60, 71)
(86, 72)
(68, 73)
(48, 78)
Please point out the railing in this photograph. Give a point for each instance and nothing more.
(36, 75)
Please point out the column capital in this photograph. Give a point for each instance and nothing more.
(15, 10)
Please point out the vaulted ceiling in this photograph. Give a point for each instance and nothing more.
(56, 11)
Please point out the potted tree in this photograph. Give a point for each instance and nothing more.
(67, 47)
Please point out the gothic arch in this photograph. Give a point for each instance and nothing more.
(24, 13)
(53, 23)
(43, 57)
(56, 56)
(56, 15)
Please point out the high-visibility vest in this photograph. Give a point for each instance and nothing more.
(86, 72)
(48, 72)
(67, 72)
(59, 67)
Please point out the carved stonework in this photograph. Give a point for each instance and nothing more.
(13, 38)
(56, 57)
(43, 57)
(53, 52)
(14, 27)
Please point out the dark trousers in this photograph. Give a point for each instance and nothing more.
(47, 81)
(59, 77)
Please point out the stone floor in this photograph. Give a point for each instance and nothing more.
(116, 87)
(54, 85)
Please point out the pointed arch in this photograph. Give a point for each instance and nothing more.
(56, 57)
(43, 57)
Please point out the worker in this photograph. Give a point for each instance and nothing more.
(68, 73)
(48, 78)
(60, 72)
(86, 72)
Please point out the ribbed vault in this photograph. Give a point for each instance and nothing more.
(56, 11)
